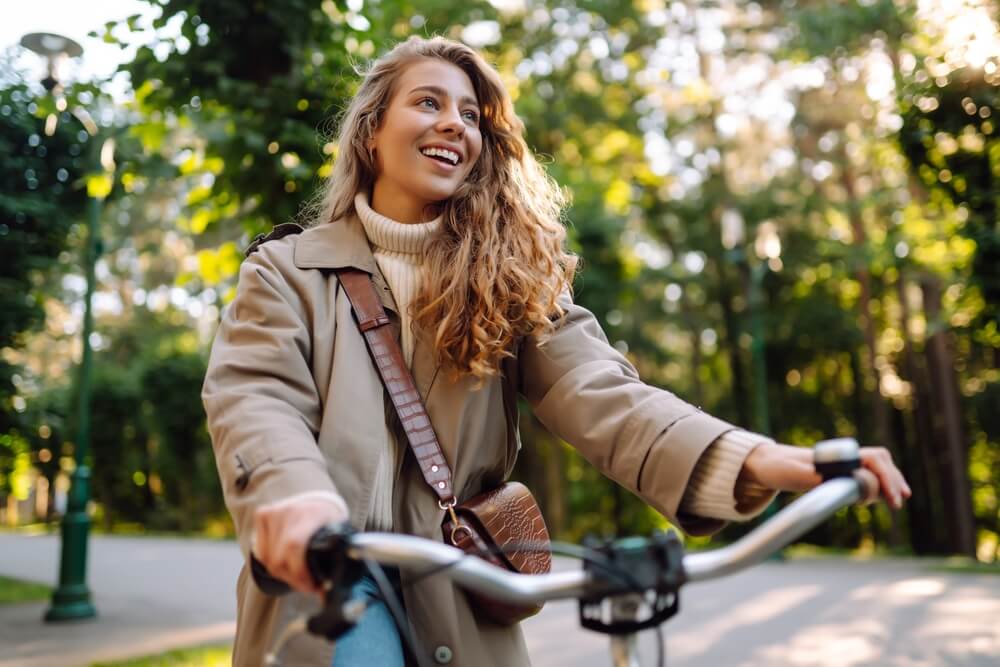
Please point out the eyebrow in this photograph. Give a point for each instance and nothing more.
(443, 93)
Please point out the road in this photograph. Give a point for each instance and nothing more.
(157, 593)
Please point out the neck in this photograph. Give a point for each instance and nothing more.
(401, 208)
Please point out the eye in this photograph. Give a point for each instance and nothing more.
(428, 103)
(471, 116)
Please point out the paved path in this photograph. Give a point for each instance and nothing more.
(156, 593)
(151, 594)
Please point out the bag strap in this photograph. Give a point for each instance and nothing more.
(396, 377)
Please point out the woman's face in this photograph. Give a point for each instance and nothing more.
(428, 142)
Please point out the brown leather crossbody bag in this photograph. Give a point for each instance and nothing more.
(504, 525)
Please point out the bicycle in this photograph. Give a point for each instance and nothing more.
(625, 586)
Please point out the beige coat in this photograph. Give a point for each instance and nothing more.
(294, 404)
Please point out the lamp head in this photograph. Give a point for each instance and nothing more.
(55, 49)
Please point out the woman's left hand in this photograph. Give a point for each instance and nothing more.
(787, 468)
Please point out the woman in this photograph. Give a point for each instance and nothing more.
(436, 195)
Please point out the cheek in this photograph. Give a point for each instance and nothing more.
(477, 158)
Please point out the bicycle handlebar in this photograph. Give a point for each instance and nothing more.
(415, 553)
(613, 570)
(408, 552)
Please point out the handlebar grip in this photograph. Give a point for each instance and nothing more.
(267, 583)
(838, 457)
(325, 554)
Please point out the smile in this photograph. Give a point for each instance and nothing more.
(442, 155)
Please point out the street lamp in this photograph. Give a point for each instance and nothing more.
(767, 247)
(56, 49)
(71, 600)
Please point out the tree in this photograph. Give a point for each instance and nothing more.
(41, 199)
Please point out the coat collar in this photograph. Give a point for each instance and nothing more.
(335, 245)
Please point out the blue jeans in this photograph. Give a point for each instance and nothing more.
(374, 641)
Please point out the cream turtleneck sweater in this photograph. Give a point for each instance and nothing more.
(398, 250)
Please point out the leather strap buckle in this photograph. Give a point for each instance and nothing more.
(456, 525)
(373, 322)
(455, 529)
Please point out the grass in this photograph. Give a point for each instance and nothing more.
(214, 655)
(965, 566)
(13, 591)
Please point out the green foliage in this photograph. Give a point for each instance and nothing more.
(172, 388)
(844, 28)
(151, 460)
(951, 137)
(40, 201)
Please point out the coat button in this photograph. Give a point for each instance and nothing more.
(442, 655)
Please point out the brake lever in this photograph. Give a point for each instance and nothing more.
(326, 557)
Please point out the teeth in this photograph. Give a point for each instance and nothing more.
(451, 156)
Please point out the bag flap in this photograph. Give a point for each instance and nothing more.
(510, 517)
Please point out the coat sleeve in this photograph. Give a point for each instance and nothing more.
(261, 400)
(646, 439)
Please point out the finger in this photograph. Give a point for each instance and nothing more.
(876, 462)
(906, 487)
(870, 485)
(293, 561)
(296, 575)
(298, 570)
(897, 481)
(901, 485)
(262, 539)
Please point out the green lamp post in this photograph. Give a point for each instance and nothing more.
(767, 247)
(71, 600)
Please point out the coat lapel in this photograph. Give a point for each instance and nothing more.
(424, 365)
(341, 244)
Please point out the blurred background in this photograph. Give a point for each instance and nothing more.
(787, 213)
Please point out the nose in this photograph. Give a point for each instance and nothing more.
(450, 121)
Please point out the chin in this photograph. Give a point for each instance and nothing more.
(436, 195)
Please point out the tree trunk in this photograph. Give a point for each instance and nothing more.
(880, 410)
(954, 469)
(926, 521)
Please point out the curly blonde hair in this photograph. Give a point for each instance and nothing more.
(495, 271)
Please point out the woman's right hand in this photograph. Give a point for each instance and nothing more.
(281, 531)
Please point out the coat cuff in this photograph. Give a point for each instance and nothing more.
(712, 492)
(330, 496)
(672, 458)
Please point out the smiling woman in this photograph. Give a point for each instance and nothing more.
(437, 204)
(496, 268)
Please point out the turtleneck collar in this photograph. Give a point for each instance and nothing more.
(388, 234)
